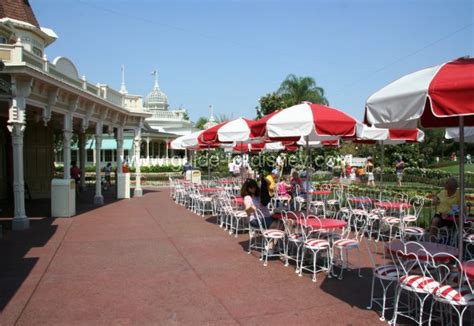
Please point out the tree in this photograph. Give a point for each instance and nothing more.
(295, 90)
(270, 103)
(201, 122)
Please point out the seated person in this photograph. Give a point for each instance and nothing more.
(250, 192)
(271, 182)
(282, 187)
(444, 202)
(295, 182)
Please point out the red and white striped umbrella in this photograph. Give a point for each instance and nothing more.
(312, 121)
(186, 141)
(371, 135)
(440, 96)
(434, 97)
(453, 133)
(237, 130)
(276, 146)
(319, 144)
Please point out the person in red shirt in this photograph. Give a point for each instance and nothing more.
(75, 172)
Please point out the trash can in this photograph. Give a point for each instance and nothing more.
(63, 197)
(193, 176)
(123, 185)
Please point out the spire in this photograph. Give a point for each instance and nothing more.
(123, 89)
(155, 73)
(211, 118)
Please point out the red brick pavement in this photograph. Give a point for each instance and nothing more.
(150, 261)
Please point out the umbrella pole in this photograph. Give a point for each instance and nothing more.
(308, 174)
(381, 170)
(461, 185)
(208, 164)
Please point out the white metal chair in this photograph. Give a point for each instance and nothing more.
(415, 280)
(270, 237)
(294, 238)
(350, 241)
(454, 289)
(387, 275)
(315, 246)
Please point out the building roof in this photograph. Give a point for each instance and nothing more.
(156, 99)
(19, 10)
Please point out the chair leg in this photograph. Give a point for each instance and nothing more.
(369, 307)
(315, 256)
(393, 321)
(302, 261)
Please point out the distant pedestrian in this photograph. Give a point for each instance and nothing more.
(468, 159)
(369, 170)
(107, 176)
(348, 170)
(187, 167)
(125, 168)
(399, 168)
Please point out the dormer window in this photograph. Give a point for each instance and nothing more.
(3, 40)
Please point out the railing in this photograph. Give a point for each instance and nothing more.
(167, 115)
(15, 54)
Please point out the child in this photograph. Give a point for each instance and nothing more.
(282, 188)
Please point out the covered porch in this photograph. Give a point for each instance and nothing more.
(45, 106)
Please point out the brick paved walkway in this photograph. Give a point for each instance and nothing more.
(150, 261)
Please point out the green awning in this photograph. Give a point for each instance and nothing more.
(108, 144)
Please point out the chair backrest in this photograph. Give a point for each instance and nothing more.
(417, 203)
(306, 230)
(359, 226)
(297, 190)
(448, 270)
(261, 220)
(371, 247)
(409, 259)
(325, 186)
(288, 223)
(338, 194)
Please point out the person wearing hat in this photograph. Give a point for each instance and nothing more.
(271, 181)
(369, 170)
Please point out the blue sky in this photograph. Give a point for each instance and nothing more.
(229, 53)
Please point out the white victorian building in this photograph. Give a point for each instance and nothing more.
(42, 100)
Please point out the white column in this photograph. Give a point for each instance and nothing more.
(119, 140)
(167, 148)
(138, 192)
(67, 135)
(98, 199)
(20, 221)
(20, 90)
(82, 158)
(148, 150)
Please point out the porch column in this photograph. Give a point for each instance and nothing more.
(159, 149)
(119, 140)
(20, 221)
(166, 149)
(67, 135)
(148, 150)
(98, 198)
(82, 158)
(138, 192)
(20, 90)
